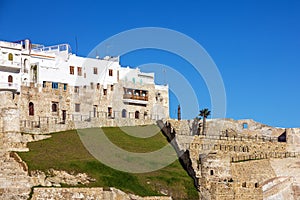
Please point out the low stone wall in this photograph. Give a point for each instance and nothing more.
(88, 193)
(37, 127)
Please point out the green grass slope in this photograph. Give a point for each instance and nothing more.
(65, 151)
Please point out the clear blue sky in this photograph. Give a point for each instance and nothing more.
(255, 44)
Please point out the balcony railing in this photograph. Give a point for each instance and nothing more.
(135, 97)
(8, 86)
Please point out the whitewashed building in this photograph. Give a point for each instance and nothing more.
(53, 83)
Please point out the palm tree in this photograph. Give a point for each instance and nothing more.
(204, 113)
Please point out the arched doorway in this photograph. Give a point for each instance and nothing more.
(25, 66)
(137, 115)
(10, 80)
(124, 113)
(31, 109)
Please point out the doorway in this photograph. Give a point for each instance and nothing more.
(64, 116)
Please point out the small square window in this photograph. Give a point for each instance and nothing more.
(54, 106)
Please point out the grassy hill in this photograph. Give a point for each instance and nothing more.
(65, 151)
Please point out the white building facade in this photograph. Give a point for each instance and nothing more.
(52, 83)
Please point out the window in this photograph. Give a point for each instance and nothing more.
(256, 185)
(245, 125)
(44, 84)
(79, 71)
(95, 70)
(65, 86)
(77, 107)
(25, 66)
(84, 75)
(92, 85)
(211, 172)
(124, 113)
(244, 184)
(54, 85)
(31, 109)
(95, 110)
(98, 86)
(54, 106)
(104, 91)
(112, 87)
(10, 80)
(110, 72)
(76, 89)
(72, 70)
(10, 57)
(137, 115)
(109, 111)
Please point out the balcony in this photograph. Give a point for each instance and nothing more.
(8, 86)
(134, 99)
(10, 66)
(135, 96)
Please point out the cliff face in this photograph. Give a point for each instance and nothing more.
(183, 154)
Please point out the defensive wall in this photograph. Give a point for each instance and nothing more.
(232, 159)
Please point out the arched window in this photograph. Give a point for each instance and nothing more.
(124, 113)
(10, 80)
(31, 109)
(137, 115)
(54, 107)
(10, 57)
(25, 66)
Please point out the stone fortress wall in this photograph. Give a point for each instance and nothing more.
(96, 107)
(240, 159)
(15, 180)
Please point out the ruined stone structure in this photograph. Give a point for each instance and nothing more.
(240, 159)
